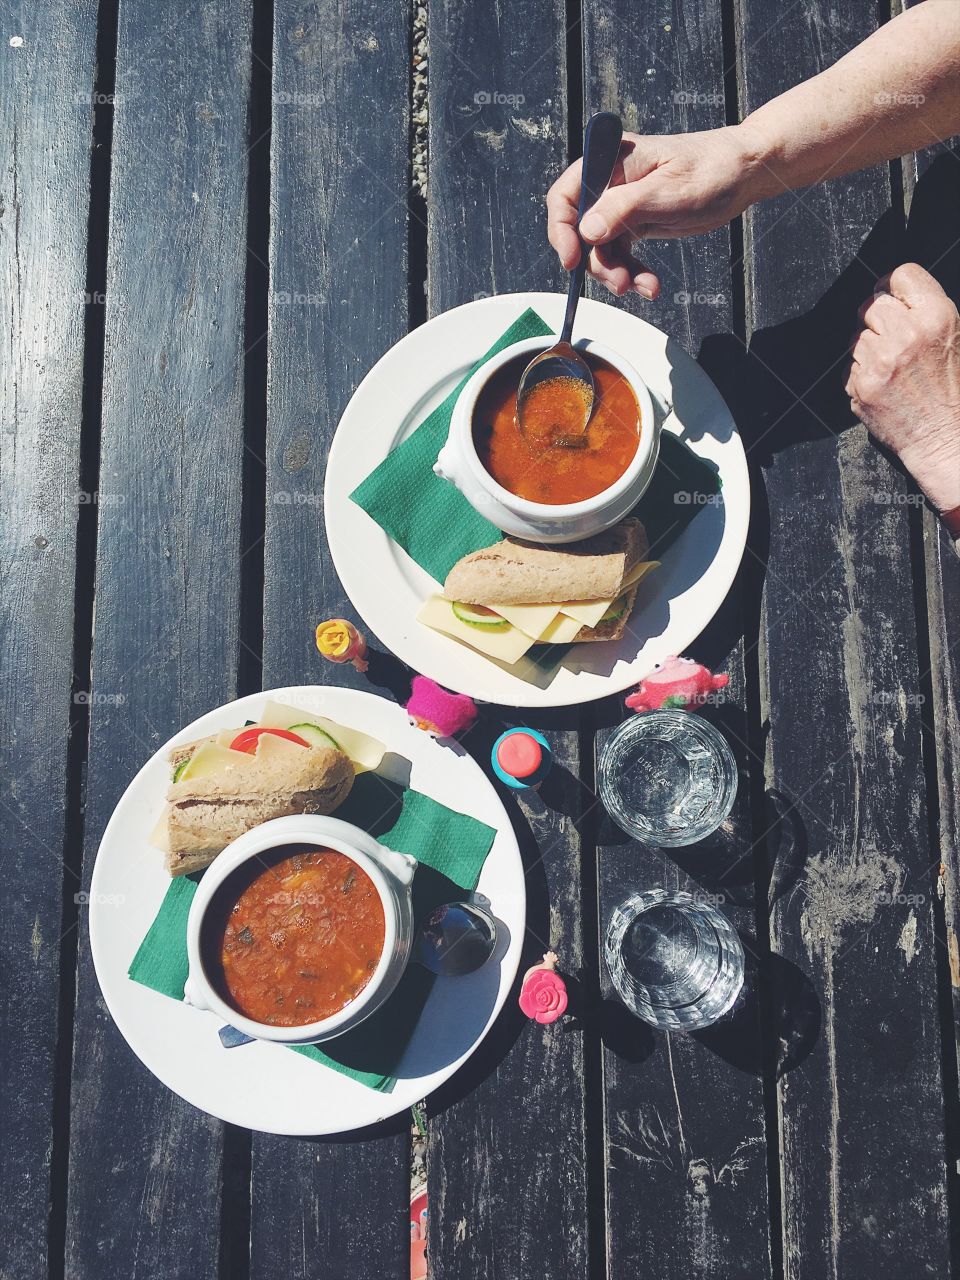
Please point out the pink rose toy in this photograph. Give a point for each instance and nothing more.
(437, 711)
(676, 683)
(543, 996)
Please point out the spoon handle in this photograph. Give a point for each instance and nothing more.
(601, 146)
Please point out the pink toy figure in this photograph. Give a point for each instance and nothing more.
(543, 996)
(438, 712)
(676, 683)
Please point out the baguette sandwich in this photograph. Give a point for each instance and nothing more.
(515, 572)
(507, 597)
(229, 782)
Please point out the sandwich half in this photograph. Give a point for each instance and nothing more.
(516, 572)
(220, 793)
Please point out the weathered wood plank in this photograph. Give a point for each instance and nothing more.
(338, 262)
(506, 1143)
(145, 1167)
(933, 189)
(840, 684)
(685, 1136)
(48, 57)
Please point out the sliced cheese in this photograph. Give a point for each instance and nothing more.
(507, 644)
(272, 747)
(637, 573)
(560, 631)
(210, 759)
(365, 752)
(160, 835)
(589, 612)
(531, 619)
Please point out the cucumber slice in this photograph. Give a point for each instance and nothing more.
(315, 736)
(178, 771)
(478, 615)
(616, 610)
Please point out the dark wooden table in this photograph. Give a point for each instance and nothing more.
(209, 233)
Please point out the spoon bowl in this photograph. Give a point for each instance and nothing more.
(559, 363)
(456, 939)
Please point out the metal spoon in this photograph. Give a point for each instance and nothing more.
(455, 939)
(601, 146)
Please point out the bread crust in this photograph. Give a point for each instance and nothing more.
(516, 572)
(206, 814)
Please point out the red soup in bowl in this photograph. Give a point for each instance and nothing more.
(294, 936)
(530, 463)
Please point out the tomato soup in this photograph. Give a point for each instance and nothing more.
(530, 463)
(293, 937)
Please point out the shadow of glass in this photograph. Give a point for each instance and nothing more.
(777, 1001)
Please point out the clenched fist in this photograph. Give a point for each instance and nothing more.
(904, 382)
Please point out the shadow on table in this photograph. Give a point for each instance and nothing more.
(510, 1023)
(787, 386)
(778, 1001)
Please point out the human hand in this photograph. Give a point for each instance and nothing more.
(904, 381)
(663, 186)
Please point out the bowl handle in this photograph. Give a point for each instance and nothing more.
(662, 407)
(446, 465)
(400, 865)
(191, 994)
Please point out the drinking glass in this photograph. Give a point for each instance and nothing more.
(677, 963)
(667, 777)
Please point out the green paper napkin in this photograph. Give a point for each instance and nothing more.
(451, 849)
(433, 522)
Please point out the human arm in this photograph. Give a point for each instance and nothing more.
(897, 91)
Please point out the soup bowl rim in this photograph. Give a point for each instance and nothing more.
(559, 511)
(391, 874)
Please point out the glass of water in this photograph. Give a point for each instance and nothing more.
(676, 963)
(667, 777)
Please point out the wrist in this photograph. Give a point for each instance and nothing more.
(934, 463)
(760, 160)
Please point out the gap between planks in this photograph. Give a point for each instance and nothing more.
(83, 614)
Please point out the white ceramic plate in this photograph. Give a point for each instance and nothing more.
(265, 1086)
(387, 588)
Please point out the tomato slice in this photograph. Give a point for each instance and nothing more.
(247, 741)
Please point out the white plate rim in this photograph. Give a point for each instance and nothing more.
(356, 540)
(358, 1105)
